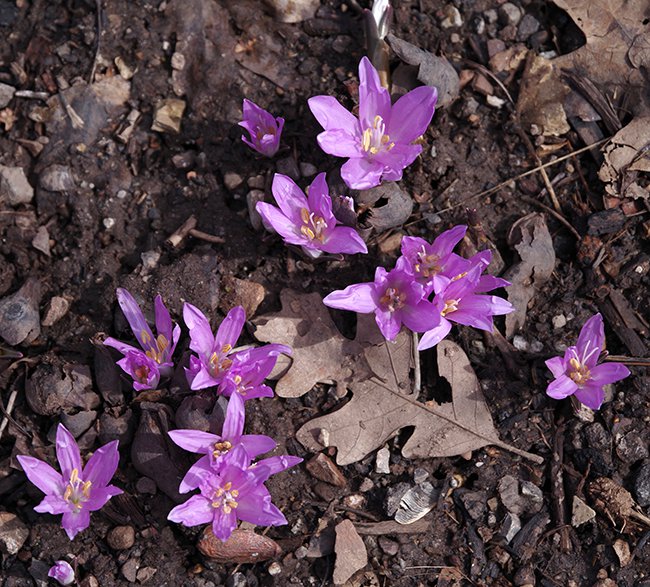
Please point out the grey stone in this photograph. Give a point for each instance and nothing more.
(130, 570)
(382, 462)
(510, 14)
(232, 180)
(288, 166)
(6, 94)
(394, 496)
(308, 169)
(237, 580)
(510, 526)
(252, 198)
(13, 533)
(631, 448)
(390, 547)
(475, 503)
(78, 423)
(420, 475)
(38, 570)
(520, 499)
(528, 26)
(14, 186)
(57, 178)
(641, 485)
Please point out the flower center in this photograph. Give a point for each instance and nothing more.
(579, 372)
(261, 132)
(219, 361)
(142, 373)
(375, 138)
(427, 265)
(77, 491)
(221, 448)
(393, 299)
(156, 352)
(225, 498)
(450, 306)
(313, 227)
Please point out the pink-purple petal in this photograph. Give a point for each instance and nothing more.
(230, 329)
(289, 196)
(74, 522)
(135, 317)
(101, 467)
(432, 337)
(340, 143)
(561, 387)
(607, 373)
(342, 239)
(195, 441)
(233, 426)
(556, 366)
(67, 452)
(411, 114)
(201, 337)
(52, 504)
(373, 97)
(361, 173)
(42, 475)
(196, 510)
(274, 219)
(331, 114)
(358, 297)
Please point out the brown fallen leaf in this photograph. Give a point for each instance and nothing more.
(530, 237)
(383, 405)
(385, 206)
(351, 554)
(243, 547)
(320, 352)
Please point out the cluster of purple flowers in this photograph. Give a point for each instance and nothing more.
(430, 288)
(231, 485)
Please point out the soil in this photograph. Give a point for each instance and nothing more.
(109, 193)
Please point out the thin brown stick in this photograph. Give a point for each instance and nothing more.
(505, 183)
(204, 236)
(553, 213)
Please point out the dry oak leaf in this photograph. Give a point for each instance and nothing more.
(381, 406)
(320, 352)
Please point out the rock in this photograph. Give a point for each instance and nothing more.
(475, 503)
(130, 570)
(185, 160)
(232, 180)
(495, 46)
(252, 198)
(351, 554)
(581, 513)
(57, 178)
(241, 292)
(55, 387)
(119, 427)
(243, 547)
(256, 182)
(292, 11)
(528, 26)
(145, 573)
(390, 547)
(631, 448)
(420, 475)
(641, 484)
(288, 166)
(452, 17)
(520, 343)
(57, 309)
(416, 503)
(38, 570)
(19, 319)
(622, 550)
(559, 321)
(510, 14)
(121, 537)
(14, 186)
(523, 498)
(510, 526)
(308, 169)
(274, 569)
(168, 115)
(201, 413)
(323, 468)
(146, 486)
(481, 85)
(237, 580)
(78, 423)
(382, 461)
(13, 533)
(6, 94)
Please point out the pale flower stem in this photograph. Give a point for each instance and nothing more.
(417, 375)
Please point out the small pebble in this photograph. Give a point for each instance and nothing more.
(121, 537)
(510, 14)
(256, 182)
(308, 169)
(452, 17)
(232, 180)
(382, 462)
(520, 343)
(559, 321)
(274, 569)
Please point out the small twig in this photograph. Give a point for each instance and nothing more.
(507, 182)
(553, 213)
(485, 71)
(7, 411)
(634, 361)
(204, 236)
(31, 95)
(178, 236)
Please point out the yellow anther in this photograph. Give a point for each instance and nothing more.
(227, 486)
(162, 343)
(67, 493)
(237, 379)
(304, 215)
(216, 504)
(144, 337)
(226, 348)
(450, 306)
(308, 232)
(227, 509)
(365, 141)
(74, 476)
(378, 120)
(85, 489)
(234, 493)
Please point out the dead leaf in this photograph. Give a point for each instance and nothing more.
(320, 352)
(625, 156)
(530, 237)
(614, 58)
(433, 70)
(243, 547)
(383, 405)
(351, 554)
(387, 206)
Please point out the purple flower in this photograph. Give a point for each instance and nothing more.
(263, 128)
(216, 448)
(458, 302)
(578, 372)
(308, 221)
(249, 369)
(380, 142)
(76, 491)
(214, 353)
(236, 492)
(155, 359)
(62, 572)
(394, 297)
(433, 265)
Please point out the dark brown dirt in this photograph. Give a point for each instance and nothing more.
(107, 228)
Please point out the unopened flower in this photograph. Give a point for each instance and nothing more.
(380, 143)
(213, 359)
(236, 492)
(215, 448)
(395, 298)
(308, 221)
(263, 128)
(154, 359)
(578, 372)
(460, 302)
(62, 572)
(435, 264)
(77, 490)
